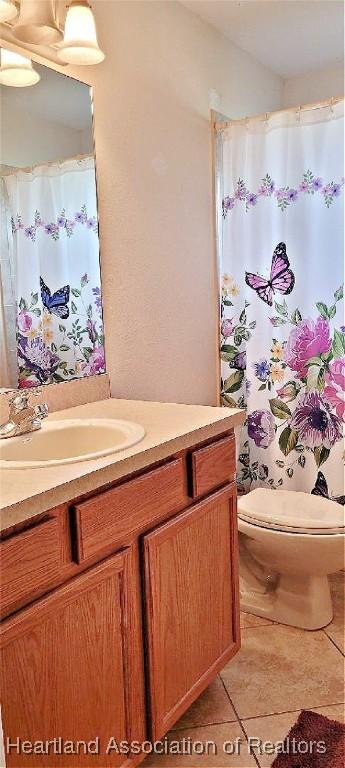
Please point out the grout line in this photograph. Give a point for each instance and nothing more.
(291, 711)
(239, 721)
(333, 643)
(202, 725)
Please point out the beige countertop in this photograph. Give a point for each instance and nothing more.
(169, 427)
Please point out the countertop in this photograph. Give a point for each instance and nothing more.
(170, 427)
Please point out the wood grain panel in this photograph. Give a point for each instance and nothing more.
(30, 561)
(112, 518)
(64, 668)
(213, 466)
(192, 604)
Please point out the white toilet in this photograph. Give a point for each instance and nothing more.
(289, 543)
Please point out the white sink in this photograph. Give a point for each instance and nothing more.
(68, 441)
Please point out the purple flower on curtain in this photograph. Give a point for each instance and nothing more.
(30, 232)
(262, 370)
(24, 321)
(91, 329)
(240, 361)
(334, 391)
(261, 428)
(228, 204)
(314, 422)
(98, 298)
(317, 184)
(91, 223)
(308, 339)
(304, 186)
(61, 222)
(292, 195)
(251, 198)
(227, 328)
(96, 363)
(50, 228)
(38, 357)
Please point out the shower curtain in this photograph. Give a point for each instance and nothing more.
(279, 189)
(53, 236)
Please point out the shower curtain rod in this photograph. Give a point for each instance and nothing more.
(30, 168)
(267, 115)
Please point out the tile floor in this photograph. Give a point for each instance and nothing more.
(260, 693)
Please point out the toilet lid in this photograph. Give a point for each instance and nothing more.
(291, 510)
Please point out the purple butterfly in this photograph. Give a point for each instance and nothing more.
(281, 279)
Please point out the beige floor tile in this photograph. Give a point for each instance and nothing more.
(275, 728)
(249, 620)
(213, 706)
(281, 668)
(335, 630)
(214, 734)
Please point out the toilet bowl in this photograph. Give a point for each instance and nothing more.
(289, 543)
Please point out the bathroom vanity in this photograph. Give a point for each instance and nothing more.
(120, 601)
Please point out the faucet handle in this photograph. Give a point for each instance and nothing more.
(18, 401)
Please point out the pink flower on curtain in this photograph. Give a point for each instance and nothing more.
(334, 390)
(309, 339)
(96, 363)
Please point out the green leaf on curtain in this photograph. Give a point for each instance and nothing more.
(338, 346)
(321, 455)
(279, 408)
(316, 378)
(288, 440)
(296, 317)
(64, 348)
(282, 309)
(228, 303)
(339, 293)
(34, 299)
(228, 401)
(36, 312)
(233, 382)
(22, 304)
(289, 391)
(332, 311)
(76, 292)
(323, 309)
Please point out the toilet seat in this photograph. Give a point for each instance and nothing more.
(291, 512)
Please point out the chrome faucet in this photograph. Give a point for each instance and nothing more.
(23, 416)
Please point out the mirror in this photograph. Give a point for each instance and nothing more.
(51, 324)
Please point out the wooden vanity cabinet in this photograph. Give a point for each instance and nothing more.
(120, 608)
(191, 596)
(66, 666)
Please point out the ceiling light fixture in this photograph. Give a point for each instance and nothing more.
(80, 44)
(8, 10)
(16, 70)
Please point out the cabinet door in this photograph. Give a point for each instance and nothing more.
(66, 670)
(192, 604)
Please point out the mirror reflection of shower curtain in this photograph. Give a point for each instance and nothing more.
(8, 344)
(54, 232)
(280, 191)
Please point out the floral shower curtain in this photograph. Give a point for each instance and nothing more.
(281, 257)
(54, 239)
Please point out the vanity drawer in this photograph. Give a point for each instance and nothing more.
(213, 465)
(116, 516)
(31, 561)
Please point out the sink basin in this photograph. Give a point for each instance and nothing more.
(68, 441)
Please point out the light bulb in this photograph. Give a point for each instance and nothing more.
(16, 70)
(8, 10)
(80, 44)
